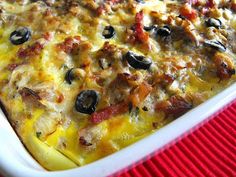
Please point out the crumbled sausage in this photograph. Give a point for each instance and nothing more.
(175, 106)
(224, 65)
(31, 51)
(70, 44)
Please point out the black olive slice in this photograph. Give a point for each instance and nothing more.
(164, 31)
(214, 22)
(215, 44)
(138, 61)
(86, 101)
(108, 32)
(20, 36)
(69, 76)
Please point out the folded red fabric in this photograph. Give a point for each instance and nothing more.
(208, 151)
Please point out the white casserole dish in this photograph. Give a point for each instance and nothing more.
(16, 161)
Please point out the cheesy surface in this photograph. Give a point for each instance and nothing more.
(141, 63)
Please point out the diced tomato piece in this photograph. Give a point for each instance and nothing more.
(188, 12)
(139, 17)
(108, 112)
(139, 33)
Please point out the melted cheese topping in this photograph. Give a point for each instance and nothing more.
(40, 103)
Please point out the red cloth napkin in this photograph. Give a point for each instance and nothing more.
(208, 151)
